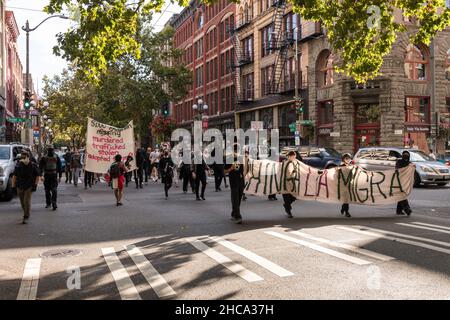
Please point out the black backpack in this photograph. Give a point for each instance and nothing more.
(114, 170)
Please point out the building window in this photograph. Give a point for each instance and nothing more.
(417, 110)
(291, 22)
(266, 37)
(246, 120)
(266, 80)
(248, 89)
(367, 114)
(199, 76)
(287, 116)
(289, 74)
(266, 116)
(247, 45)
(325, 113)
(200, 20)
(416, 63)
(326, 69)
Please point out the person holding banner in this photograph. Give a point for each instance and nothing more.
(288, 198)
(346, 161)
(117, 174)
(235, 173)
(403, 206)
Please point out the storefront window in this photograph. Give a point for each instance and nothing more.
(417, 126)
(418, 109)
(325, 112)
(267, 118)
(246, 120)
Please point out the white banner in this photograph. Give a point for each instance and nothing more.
(103, 142)
(338, 185)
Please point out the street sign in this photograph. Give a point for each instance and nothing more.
(335, 134)
(398, 132)
(297, 138)
(17, 120)
(305, 122)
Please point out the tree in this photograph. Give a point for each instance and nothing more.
(362, 32)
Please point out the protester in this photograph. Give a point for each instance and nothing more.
(346, 161)
(50, 166)
(139, 173)
(147, 165)
(235, 173)
(154, 159)
(129, 173)
(186, 174)
(88, 176)
(403, 206)
(200, 178)
(432, 155)
(166, 167)
(75, 165)
(25, 179)
(116, 172)
(288, 198)
(67, 170)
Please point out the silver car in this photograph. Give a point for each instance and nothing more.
(428, 171)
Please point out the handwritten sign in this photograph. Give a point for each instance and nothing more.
(338, 185)
(103, 142)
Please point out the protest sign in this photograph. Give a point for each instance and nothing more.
(338, 185)
(103, 142)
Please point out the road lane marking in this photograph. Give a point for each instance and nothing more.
(30, 280)
(345, 246)
(126, 288)
(225, 261)
(156, 281)
(432, 225)
(410, 242)
(385, 232)
(263, 262)
(316, 247)
(423, 227)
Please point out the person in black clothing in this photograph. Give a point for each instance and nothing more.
(129, 173)
(236, 176)
(68, 171)
(166, 169)
(147, 164)
(346, 159)
(289, 199)
(200, 177)
(25, 179)
(403, 206)
(186, 176)
(140, 159)
(50, 166)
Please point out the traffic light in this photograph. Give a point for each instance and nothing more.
(300, 106)
(165, 109)
(27, 100)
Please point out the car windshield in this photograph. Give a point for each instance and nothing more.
(4, 153)
(332, 153)
(419, 156)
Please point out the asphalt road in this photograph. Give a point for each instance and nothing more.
(152, 248)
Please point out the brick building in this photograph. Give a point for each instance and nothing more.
(393, 110)
(203, 33)
(2, 73)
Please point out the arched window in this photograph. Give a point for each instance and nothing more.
(325, 69)
(416, 63)
(447, 65)
(200, 20)
(241, 15)
(246, 16)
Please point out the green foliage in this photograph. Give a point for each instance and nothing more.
(362, 39)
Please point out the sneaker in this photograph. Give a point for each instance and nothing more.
(244, 198)
(233, 219)
(347, 215)
(400, 213)
(203, 198)
(408, 211)
(47, 206)
(198, 199)
(54, 208)
(24, 221)
(238, 221)
(289, 215)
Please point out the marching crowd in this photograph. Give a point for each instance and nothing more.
(155, 165)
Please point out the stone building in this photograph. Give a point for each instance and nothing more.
(2, 73)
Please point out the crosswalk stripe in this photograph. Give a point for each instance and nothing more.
(422, 227)
(345, 246)
(432, 225)
(126, 288)
(316, 247)
(385, 232)
(410, 242)
(263, 262)
(30, 280)
(156, 281)
(225, 261)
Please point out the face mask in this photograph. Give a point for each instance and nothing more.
(405, 157)
(25, 161)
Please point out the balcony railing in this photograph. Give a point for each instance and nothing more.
(365, 86)
(246, 20)
(246, 58)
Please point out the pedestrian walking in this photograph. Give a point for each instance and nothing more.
(432, 155)
(75, 165)
(186, 174)
(25, 179)
(403, 206)
(67, 159)
(288, 198)
(129, 173)
(166, 168)
(154, 160)
(235, 173)
(346, 161)
(50, 166)
(147, 165)
(117, 172)
(139, 173)
(88, 176)
(200, 178)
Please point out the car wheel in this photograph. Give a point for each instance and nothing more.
(416, 180)
(8, 194)
(442, 184)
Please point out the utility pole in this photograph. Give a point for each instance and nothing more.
(434, 110)
(298, 133)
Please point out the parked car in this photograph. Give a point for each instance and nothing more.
(8, 157)
(317, 157)
(428, 171)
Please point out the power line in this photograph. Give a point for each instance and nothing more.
(167, 6)
(25, 9)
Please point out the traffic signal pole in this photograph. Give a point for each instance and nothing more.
(27, 85)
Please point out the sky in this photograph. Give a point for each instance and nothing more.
(43, 39)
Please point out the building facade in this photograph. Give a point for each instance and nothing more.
(14, 78)
(204, 33)
(2, 72)
(395, 109)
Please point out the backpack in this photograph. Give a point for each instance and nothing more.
(114, 170)
(51, 164)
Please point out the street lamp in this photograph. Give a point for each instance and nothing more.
(200, 107)
(27, 29)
